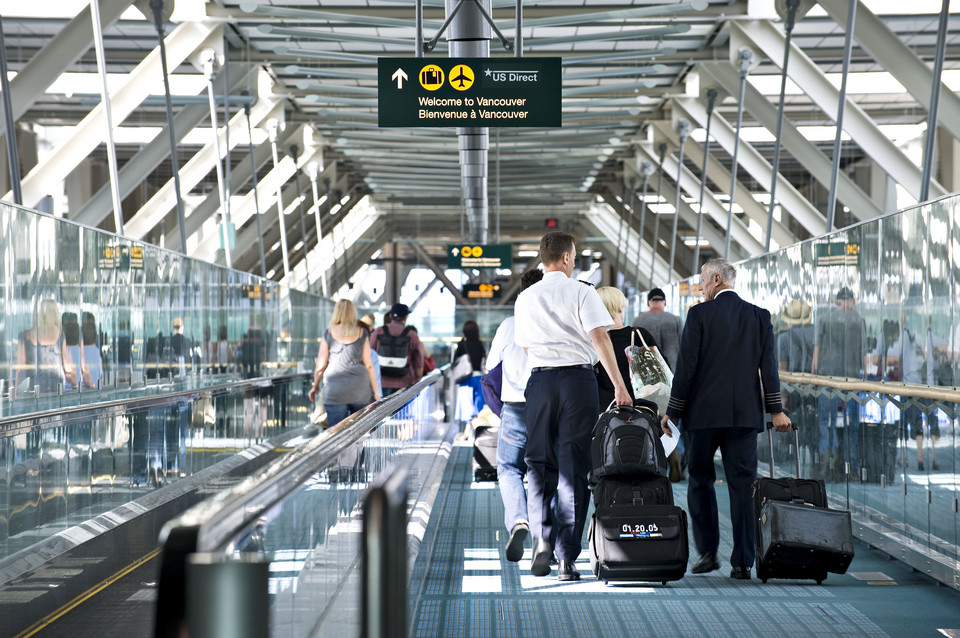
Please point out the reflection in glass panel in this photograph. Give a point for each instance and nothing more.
(883, 311)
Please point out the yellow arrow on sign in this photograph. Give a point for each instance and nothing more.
(399, 76)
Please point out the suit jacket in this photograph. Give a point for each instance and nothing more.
(725, 342)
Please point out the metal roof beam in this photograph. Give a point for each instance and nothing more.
(751, 161)
(764, 36)
(726, 77)
(900, 60)
(185, 40)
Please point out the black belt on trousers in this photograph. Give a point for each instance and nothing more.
(583, 366)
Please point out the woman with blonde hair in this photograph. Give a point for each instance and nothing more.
(345, 366)
(616, 304)
(41, 352)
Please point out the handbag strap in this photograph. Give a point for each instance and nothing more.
(639, 334)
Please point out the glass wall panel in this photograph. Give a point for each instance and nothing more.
(89, 316)
(883, 315)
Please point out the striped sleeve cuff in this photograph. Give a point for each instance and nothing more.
(676, 407)
(772, 402)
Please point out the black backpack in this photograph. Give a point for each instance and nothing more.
(626, 442)
(394, 352)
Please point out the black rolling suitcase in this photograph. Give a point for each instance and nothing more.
(485, 453)
(637, 533)
(798, 536)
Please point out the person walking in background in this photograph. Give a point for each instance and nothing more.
(468, 366)
(795, 354)
(562, 324)
(92, 362)
(719, 399)
(616, 304)
(665, 327)
(910, 359)
(123, 343)
(838, 351)
(344, 365)
(368, 324)
(41, 353)
(512, 435)
(401, 355)
(73, 351)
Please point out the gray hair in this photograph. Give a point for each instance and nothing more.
(722, 267)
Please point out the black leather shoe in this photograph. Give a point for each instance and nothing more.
(518, 535)
(707, 563)
(540, 565)
(740, 573)
(567, 571)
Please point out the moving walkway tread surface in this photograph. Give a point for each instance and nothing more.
(471, 590)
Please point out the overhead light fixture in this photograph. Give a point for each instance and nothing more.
(324, 55)
(609, 88)
(613, 57)
(635, 34)
(329, 36)
(623, 14)
(614, 73)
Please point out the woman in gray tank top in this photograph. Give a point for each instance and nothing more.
(345, 366)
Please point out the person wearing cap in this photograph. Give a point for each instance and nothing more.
(398, 328)
(562, 325)
(839, 349)
(795, 354)
(726, 379)
(665, 327)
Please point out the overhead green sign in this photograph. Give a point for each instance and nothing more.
(469, 92)
(469, 256)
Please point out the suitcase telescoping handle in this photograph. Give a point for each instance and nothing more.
(796, 446)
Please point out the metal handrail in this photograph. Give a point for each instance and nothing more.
(211, 525)
(130, 403)
(915, 390)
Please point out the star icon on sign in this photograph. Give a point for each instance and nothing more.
(487, 72)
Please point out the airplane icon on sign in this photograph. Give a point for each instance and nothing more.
(462, 78)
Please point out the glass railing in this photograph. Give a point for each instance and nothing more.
(89, 316)
(878, 305)
(302, 514)
(59, 474)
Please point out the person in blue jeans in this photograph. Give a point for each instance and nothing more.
(512, 437)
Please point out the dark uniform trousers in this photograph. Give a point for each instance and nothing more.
(738, 447)
(562, 407)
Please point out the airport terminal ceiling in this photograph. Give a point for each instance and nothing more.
(632, 72)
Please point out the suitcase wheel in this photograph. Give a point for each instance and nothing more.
(764, 580)
(663, 582)
(820, 581)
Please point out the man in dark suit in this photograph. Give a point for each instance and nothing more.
(718, 399)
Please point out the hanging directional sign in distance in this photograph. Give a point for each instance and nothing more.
(469, 92)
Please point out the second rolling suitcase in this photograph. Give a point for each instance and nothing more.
(798, 536)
